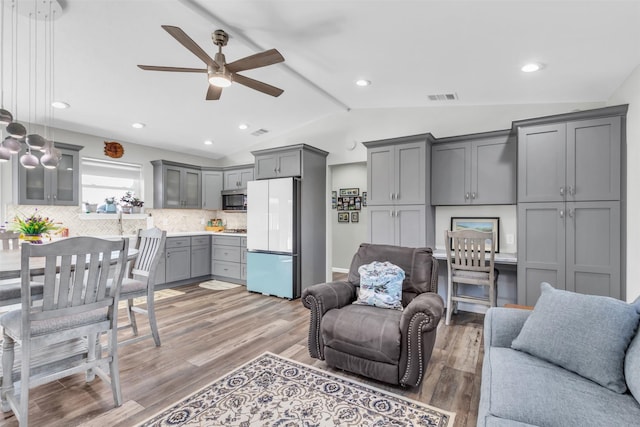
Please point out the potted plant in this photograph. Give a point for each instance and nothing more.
(32, 227)
(132, 202)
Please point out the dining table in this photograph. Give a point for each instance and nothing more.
(10, 268)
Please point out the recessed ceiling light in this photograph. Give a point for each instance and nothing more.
(138, 125)
(363, 82)
(208, 142)
(243, 126)
(60, 105)
(531, 67)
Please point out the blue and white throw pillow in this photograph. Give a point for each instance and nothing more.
(381, 285)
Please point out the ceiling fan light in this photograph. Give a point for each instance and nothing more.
(16, 130)
(12, 144)
(36, 141)
(29, 161)
(219, 80)
(5, 117)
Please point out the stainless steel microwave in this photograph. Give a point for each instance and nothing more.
(234, 200)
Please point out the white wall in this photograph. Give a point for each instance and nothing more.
(94, 147)
(346, 237)
(629, 93)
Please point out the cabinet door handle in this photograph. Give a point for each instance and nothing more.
(391, 196)
(562, 191)
(275, 170)
(473, 195)
(466, 196)
(391, 213)
(572, 190)
(561, 213)
(571, 212)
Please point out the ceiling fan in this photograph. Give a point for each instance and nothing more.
(219, 73)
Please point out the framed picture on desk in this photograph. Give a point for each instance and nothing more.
(491, 224)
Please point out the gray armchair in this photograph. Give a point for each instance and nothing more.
(388, 345)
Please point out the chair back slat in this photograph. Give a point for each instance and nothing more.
(76, 274)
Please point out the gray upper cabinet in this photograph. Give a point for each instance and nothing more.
(42, 186)
(572, 161)
(236, 179)
(176, 186)
(211, 188)
(399, 211)
(474, 169)
(397, 174)
(279, 164)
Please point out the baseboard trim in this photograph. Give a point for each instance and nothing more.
(339, 270)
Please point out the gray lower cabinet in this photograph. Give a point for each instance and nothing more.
(228, 258)
(200, 256)
(42, 186)
(573, 246)
(401, 225)
(572, 161)
(475, 169)
(178, 259)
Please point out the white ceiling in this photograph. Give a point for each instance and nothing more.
(408, 49)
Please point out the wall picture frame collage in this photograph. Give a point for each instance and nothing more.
(348, 199)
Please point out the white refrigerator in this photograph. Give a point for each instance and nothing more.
(273, 237)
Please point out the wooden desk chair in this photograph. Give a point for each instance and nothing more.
(467, 263)
(140, 282)
(77, 307)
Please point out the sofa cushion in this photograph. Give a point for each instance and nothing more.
(527, 389)
(586, 334)
(380, 285)
(632, 367)
(368, 332)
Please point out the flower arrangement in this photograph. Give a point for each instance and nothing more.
(33, 225)
(130, 200)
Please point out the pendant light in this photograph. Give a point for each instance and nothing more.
(12, 144)
(28, 160)
(49, 159)
(5, 155)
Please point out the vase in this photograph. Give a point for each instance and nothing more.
(35, 239)
(126, 209)
(136, 209)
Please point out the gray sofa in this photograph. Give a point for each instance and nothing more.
(520, 389)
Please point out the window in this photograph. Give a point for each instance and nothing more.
(104, 178)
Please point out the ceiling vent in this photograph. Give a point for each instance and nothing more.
(444, 97)
(259, 132)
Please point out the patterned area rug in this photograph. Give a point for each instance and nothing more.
(218, 285)
(273, 391)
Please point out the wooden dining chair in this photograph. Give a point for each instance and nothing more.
(469, 262)
(140, 282)
(77, 307)
(9, 240)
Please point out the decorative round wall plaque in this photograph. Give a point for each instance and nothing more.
(113, 149)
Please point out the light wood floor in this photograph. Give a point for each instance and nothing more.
(205, 334)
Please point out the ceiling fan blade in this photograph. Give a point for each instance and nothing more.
(176, 69)
(257, 85)
(188, 42)
(262, 59)
(213, 93)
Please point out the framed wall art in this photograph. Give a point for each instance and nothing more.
(343, 216)
(349, 192)
(479, 224)
(355, 216)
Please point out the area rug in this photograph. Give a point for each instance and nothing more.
(274, 391)
(218, 285)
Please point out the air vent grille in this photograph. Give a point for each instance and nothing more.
(444, 97)
(259, 132)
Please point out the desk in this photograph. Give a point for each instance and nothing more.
(505, 263)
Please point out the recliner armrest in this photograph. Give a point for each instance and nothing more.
(429, 304)
(329, 295)
(319, 299)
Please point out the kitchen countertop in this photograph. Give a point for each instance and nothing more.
(200, 233)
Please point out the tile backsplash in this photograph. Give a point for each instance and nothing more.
(171, 220)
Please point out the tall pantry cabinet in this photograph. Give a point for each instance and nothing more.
(571, 203)
(398, 184)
